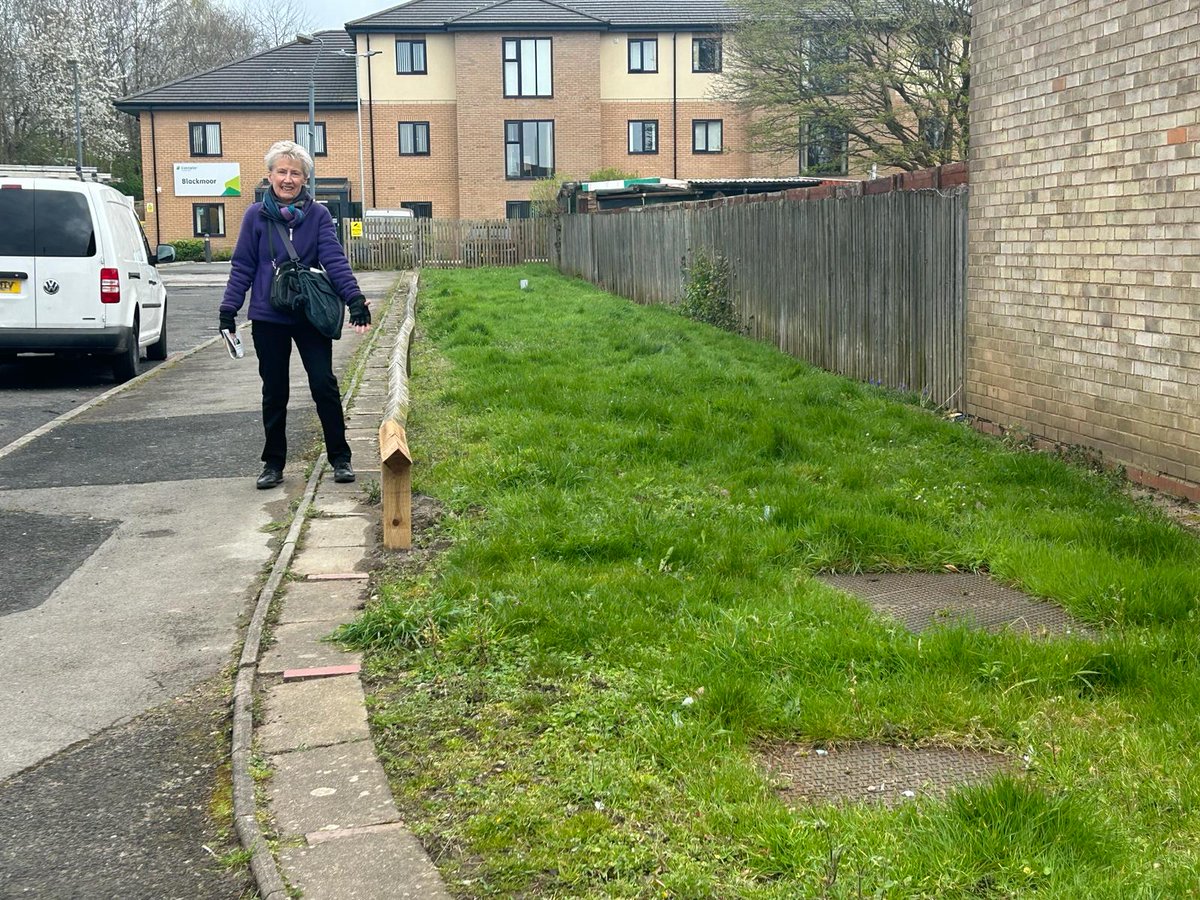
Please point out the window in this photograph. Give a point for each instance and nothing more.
(529, 149)
(527, 67)
(706, 135)
(643, 54)
(826, 61)
(825, 150)
(46, 223)
(421, 209)
(205, 138)
(932, 131)
(318, 144)
(517, 209)
(410, 57)
(208, 218)
(706, 54)
(643, 136)
(414, 138)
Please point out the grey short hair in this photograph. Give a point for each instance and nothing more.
(295, 151)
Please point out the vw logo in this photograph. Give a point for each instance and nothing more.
(50, 287)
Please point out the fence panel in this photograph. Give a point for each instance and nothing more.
(402, 243)
(872, 287)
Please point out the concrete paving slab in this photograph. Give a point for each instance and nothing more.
(328, 486)
(322, 601)
(347, 506)
(317, 713)
(329, 788)
(338, 531)
(329, 560)
(301, 646)
(384, 863)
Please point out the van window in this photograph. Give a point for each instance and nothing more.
(45, 223)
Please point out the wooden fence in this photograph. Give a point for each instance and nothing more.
(448, 243)
(871, 287)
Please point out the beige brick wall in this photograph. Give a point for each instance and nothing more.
(1084, 274)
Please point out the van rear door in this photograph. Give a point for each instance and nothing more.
(18, 267)
(66, 244)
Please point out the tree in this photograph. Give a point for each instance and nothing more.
(543, 194)
(879, 82)
(122, 48)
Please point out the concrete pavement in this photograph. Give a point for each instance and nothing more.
(141, 534)
(339, 834)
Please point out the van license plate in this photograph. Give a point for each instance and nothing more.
(10, 287)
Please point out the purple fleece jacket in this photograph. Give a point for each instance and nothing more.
(315, 240)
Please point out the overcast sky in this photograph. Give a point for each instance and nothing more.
(335, 13)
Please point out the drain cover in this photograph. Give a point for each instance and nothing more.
(871, 773)
(923, 600)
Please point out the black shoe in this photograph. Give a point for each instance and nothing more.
(343, 473)
(269, 478)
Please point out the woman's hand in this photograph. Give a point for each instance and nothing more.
(360, 314)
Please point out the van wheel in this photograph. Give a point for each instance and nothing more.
(158, 350)
(125, 363)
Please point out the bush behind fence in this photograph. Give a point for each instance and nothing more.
(871, 287)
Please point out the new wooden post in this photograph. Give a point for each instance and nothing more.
(395, 486)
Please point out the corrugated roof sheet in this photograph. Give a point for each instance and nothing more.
(274, 78)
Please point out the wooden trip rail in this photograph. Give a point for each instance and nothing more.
(395, 457)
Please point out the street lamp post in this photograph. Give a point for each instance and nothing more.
(362, 175)
(74, 64)
(304, 38)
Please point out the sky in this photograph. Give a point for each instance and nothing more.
(335, 13)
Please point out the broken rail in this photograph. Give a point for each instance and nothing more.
(395, 459)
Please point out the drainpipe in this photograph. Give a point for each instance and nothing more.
(674, 105)
(154, 180)
(371, 125)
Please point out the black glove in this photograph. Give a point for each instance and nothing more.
(359, 313)
(227, 321)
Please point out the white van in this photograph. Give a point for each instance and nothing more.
(77, 274)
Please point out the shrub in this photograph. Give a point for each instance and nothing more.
(708, 291)
(188, 249)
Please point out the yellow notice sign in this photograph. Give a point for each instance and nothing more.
(356, 228)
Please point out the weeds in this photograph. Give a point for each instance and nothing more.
(708, 291)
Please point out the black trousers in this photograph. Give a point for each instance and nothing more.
(273, 344)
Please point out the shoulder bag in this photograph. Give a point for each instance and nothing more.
(297, 288)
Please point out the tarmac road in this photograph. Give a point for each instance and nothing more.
(133, 538)
(36, 389)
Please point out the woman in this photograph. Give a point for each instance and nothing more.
(288, 206)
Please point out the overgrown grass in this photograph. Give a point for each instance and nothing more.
(568, 700)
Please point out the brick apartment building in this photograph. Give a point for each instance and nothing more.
(464, 105)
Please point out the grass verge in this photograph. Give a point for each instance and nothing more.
(569, 698)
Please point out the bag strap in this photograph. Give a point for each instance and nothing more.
(287, 241)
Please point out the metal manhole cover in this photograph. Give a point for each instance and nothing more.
(923, 600)
(871, 773)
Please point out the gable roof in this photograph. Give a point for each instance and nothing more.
(526, 14)
(449, 15)
(273, 79)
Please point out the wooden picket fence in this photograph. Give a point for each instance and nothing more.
(449, 243)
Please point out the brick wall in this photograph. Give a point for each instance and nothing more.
(245, 137)
(399, 179)
(1084, 308)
